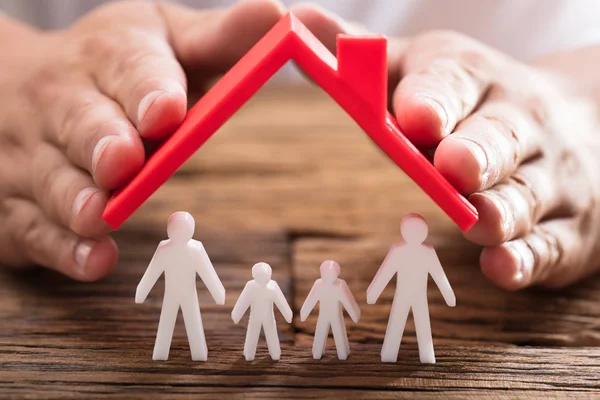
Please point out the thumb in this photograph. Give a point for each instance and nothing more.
(215, 39)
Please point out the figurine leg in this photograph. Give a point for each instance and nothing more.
(423, 328)
(394, 331)
(320, 339)
(194, 329)
(166, 324)
(252, 335)
(340, 337)
(272, 338)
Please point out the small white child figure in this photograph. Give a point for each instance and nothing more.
(332, 293)
(260, 294)
(413, 261)
(180, 258)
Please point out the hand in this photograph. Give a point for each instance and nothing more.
(76, 105)
(521, 141)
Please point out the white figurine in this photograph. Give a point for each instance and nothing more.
(332, 293)
(180, 258)
(259, 294)
(412, 260)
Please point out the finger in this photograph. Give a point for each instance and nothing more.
(216, 39)
(41, 241)
(67, 195)
(140, 72)
(488, 147)
(326, 25)
(546, 256)
(512, 208)
(444, 77)
(96, 135)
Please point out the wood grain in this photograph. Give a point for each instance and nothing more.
(291, 180)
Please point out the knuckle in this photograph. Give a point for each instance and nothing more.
(31, 237)
(528, 190)
(45, 176)
(507, 129)
(147, 82)
(548, 252)
(539, 108)
(450, 73)
(43, 87)
(73, 118)
(464, 83)
(27, 236)
(471, 55)
(100, 48)
(579, 176)
(124, 49)
(133, 61)
(9, 216)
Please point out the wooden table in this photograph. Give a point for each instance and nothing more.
(291, 180)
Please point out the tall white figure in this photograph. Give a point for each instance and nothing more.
(413, 261)
(260, 294)
(180, 258)
(332, 293)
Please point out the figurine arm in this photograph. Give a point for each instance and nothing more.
(282, 303)
(440, 279)
(383, 276)
(209, 276)
(153, 272)
(242, 304)
(349, 302)
(311, 301)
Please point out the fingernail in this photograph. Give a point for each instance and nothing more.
(146, 102)
(99, 150)
(480, 158)
(171, 87)
(81, 199)
(438, 108)
(82, 252)
(524, 258)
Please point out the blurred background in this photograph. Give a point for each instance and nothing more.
(521, 28)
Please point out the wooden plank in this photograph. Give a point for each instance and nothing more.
(84, 363)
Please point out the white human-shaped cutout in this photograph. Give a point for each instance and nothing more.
(180, 258)
(260, 294)
(413, 261)
(332, 293)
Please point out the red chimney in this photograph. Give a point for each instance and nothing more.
(362, 64)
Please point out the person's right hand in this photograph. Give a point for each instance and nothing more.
(76, 105)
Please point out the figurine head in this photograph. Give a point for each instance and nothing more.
(330, 270)
(261, 272)
(180, 227)
(413, 229)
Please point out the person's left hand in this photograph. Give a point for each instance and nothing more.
(521, 141)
